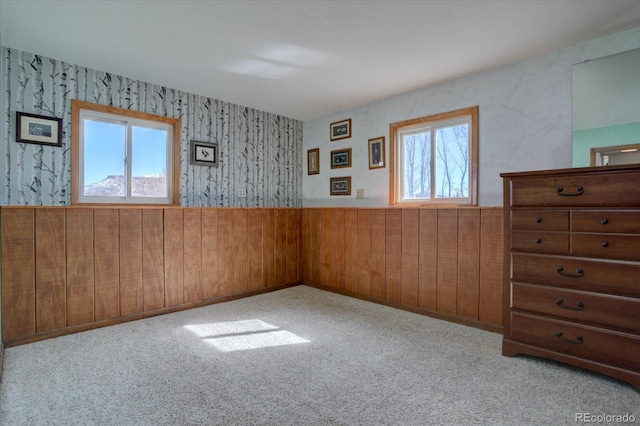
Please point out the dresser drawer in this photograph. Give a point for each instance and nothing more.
(599, 189)
(608, 246)
(540, 220)
(588, 308)
(618, 278)
(540, 242)
(609, 347)
(606, 221)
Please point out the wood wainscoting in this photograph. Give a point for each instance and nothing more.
(68, 269)
(447, 263)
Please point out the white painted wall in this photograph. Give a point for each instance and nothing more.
(525, 123)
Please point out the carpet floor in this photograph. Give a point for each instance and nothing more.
(298, 356)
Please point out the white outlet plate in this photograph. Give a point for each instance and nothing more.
(242, 193)
(359, 193)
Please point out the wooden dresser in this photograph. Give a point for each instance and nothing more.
(572, 268)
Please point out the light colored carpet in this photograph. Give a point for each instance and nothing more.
(317, 358)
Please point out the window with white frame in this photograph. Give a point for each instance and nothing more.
(434, 159)
(122, 156)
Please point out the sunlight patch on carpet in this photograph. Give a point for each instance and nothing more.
(244, 335)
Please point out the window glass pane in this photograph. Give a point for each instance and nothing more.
(417, 165)
(452, 161)
(149, 162)
(104, 153)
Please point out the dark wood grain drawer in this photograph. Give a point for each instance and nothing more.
(618, 278)
(540, 220)
(598, 189)
(597, 344)
(608, 246)
(540, 242)
(589, 308)
(606, 221)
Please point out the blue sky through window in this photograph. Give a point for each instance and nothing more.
(104, 150)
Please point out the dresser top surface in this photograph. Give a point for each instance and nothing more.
(627, 168)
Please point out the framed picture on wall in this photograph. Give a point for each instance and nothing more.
(38, 129)
(341, 158)
(340, 185)
(204, 153)
(340, 129)
(376, 153)
(313, 161)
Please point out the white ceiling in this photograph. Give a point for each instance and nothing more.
(304, 59)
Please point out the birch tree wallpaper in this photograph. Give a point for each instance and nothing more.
(259, 151)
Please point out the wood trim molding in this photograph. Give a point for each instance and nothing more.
(393, 149)
(77, 105)
(416, 310)
(140, 315)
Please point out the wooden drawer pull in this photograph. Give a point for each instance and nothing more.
(578, 340)
(579, 305)
(579, 191)
(579, 273)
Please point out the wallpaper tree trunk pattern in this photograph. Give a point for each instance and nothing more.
(259, 151)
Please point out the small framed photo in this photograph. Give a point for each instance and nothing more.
(341, 158)
(340, 129)
(204, 153)
(39, 129)
(313, 161)
(376, 153)
(340, 185)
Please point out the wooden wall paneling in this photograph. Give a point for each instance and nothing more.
(280, 224)
(491, 264)
(240, 251)
(468, 263)
(410, 264)
(269, 247)
(192, 255)
(51, 286)
(447, 260)
(225, 250)
(18, 273)
(299, 242)
(428, 260)
(80, 267)
(131, 290)
(152, 259)
(378, 279)
(364, 252)
(325, 249)
(293, 230)
(337, 247)
(255, 247)
(393, 254)
(306, 246)
(106, 248)
(315, 242)
(210, 287)
(350, 250)
(173, 257)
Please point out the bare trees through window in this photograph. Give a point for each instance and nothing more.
(436, 158)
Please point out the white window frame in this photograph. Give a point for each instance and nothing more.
(82, 111)
(431, 124)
